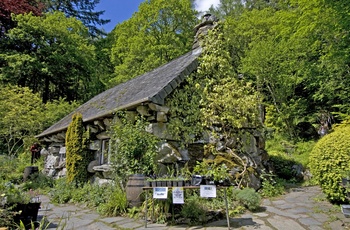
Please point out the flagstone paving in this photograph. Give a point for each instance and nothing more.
(300, 209)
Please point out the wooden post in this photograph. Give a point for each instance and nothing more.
(227, 214)
(146, 208)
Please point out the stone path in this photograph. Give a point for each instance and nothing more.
(301, 208)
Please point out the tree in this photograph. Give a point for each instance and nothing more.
(232, 8)
(51, 55)
(22, 117)
(160, 31)
(82, 10)
(57, 109)
(8, 7)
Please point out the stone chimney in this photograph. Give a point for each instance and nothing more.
(209, 21)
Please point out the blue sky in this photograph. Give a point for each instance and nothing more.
(120, 10)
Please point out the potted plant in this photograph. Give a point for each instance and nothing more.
(24, 204)
(212, 173)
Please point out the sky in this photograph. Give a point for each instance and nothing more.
(120, 10)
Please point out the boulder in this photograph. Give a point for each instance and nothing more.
(168, 154)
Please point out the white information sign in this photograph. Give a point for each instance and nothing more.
(178, 195)
(208, 191)
(160, 192)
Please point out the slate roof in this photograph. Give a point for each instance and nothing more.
(153, 86)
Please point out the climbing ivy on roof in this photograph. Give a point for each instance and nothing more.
(227, 101)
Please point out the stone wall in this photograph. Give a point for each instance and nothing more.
(171, 151)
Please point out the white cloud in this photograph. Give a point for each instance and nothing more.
(204, 5)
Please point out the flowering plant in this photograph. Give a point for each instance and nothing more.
(14, 194)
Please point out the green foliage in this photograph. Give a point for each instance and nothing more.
(115, 203)
(209, 169)
(52, 55)
(11, 169)
(248, 197)
(158, 32)
(329, 160)
(194, 210)
(134, 150)
(271, 187)
(284, 154)
(159, 209)
(57, 109)
(184, 104)
(226, 100)
(21, 118)
(77, 155)
(82, 10)
(62, 192)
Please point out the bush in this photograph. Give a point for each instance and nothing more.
(115, 203)
(194, 210)
(329, 159)
(272, 187)
(62, 191)
(249, 198)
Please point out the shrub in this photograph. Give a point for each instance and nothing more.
(136, 149)
(271, 187)
(62, 191)
(329, 159)
(78, 156)
(249, 198)
(194, 210)
(115, 202)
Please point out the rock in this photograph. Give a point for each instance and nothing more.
(103, 135)
(161, 117)
(298, 171)
(107, 122)
(62, 173)
(102, 182)
(91, 166)
(61, 165)
(100, 124)
(62, 150)
(143, 110)
(254, 181)
(103, 168)
(52, 161)
(158, 108)
(92, 128)
(168, 154)
(53, 150)
(44, 152)
(159, 130)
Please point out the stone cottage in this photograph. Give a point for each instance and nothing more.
(145, 95)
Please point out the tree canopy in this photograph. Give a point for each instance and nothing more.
(160, 31)
(52, 55)
(8, 7)
(83, 10)
(296, 53)
(21, 117)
